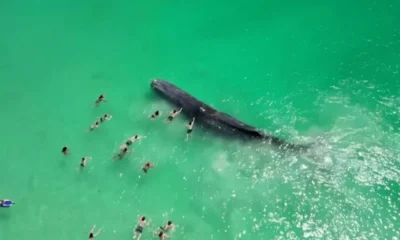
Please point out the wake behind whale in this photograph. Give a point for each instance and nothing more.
(216, 120)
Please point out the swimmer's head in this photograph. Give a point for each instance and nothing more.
(157, 113)
(64, 149)
(136, 136)
(169, 222)
(83, 159)
(174, 111)
(143, 218)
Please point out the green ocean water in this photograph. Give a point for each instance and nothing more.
(322, 72)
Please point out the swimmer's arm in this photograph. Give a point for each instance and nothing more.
(98, 232)
(92, 228)
(180, 110)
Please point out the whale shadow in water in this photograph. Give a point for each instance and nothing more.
(217, 121)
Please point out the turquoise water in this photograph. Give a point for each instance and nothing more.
(326, 73)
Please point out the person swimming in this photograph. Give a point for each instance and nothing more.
(173, 114)
(106, 117)
(190, 128)
(6, 203)
(147, 166)
(161, 235)
(83, 161)
(131, 140)
(100, 99)
(94, 126)
(124, 151)
(139, 228)
(168, 226)
(91, 233)
(155, 115)
(65, 150)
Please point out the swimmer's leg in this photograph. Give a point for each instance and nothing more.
(139, 235)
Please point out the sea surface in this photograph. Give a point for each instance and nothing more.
(325, 73)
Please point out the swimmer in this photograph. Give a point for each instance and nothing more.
(131, 140)
(94, 126)
(173, 114)
(139, 229)
(123, 152)
(147, 166)
(92, 235)
(190, 128)
(167, 227)
(84, 159)
(106, 117)
(100, 99)
(161, 235)
(3, 202)
(155, 115)
(65, 150)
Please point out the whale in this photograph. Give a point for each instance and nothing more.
(217, 121)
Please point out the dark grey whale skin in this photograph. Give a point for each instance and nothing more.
(212, 118)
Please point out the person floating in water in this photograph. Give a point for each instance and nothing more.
(106, 117)
(91, 233)
(100, 99)
(65, 150)
(155, 115)
(173, 114)
(161, 235)
(190, 128)
(139, 228)
(147, 166)
(6, 203)
(94, 126)
(131, 140)
(123, 152)
(167, 227)
(83, 161)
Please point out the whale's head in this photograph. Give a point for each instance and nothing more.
(169, 91)
(160, 86)
(176, 96)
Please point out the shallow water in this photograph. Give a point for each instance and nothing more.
(325, 73)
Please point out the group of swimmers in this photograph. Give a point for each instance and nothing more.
(161, 234)
(106, 117)
(124, 151)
